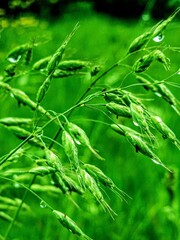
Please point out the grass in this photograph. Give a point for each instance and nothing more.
(152, 213)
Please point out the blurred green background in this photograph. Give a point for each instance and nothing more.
(103, 38)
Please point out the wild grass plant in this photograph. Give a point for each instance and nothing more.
(51, 155)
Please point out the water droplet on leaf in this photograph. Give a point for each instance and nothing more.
(136, 124)
(156, 161)
(13, 59)
(158, 38)
(42, 204)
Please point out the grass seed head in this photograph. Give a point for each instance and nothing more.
(70, 149)
(15, 54)
(118, 109)
(81, 137)
(147, 84)
(41, 64)
(160, 56)
(163, 24)
(42, 170)
(139, 42)
(143, 63)
(70, 224)
(166, 132)
(53, 160)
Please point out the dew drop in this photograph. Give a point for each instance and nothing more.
(136, 124)
(13, 59)
(77, 141)
(156, 161)
(158, 38)
(178, 72)
(43, 204)
(158, 94)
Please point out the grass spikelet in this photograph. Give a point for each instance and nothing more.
(70, 224)
(72, 185)
(163, 24)
(70, 149)
(81, 137)
(15, 54)
(58, 73)
(92, 186)
(168, 96)
(21, 133)
(160, 56)
(14, 121)
(118, 109)
(139, 42)
(23, 98)
(160, 90)
(10, 69)
(42, 170)
(166, 132)
(140, 118)
(73, 65)
(103, 179)
(143, 63)
(138, 142)
(147, 84)
(53, 160)
(58, 182)
(43, 89)
(41, 64)
(57, 56)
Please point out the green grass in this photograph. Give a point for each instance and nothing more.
(150, 214)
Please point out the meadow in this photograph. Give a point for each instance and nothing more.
(70, 160)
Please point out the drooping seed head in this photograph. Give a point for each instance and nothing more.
(118, 109)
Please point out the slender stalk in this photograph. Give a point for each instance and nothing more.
(19, 208)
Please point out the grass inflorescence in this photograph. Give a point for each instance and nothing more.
(67, 163)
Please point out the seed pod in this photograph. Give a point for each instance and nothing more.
(41, 64)
(160, 56)
(118, 110)
(139, 42)
(70, 149)
(69, 224)
(166, 132)
(143, 63)
(81, 137)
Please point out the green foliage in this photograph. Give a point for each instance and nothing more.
(64, 115)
